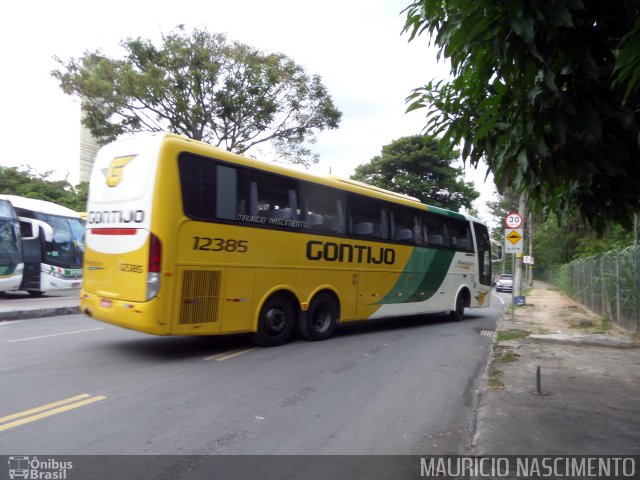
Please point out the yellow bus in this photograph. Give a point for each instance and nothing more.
(187, 239)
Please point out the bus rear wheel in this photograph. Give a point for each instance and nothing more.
(458, 314)
(319, 322)
(276, 322)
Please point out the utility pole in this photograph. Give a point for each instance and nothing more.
(530, 266)
(517, 273)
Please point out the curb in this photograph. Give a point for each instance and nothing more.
(39, 312)
(586, 340)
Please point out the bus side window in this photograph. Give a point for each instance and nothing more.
(230, 192)
(434, 229)
(324, 209)
(274, 198)
(404, 227)
(197, 180)
(368, 218)
(460, 235)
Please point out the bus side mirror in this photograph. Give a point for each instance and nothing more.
(30, 229)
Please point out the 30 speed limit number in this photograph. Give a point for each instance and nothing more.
(513, 220)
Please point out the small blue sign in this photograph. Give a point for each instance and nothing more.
(519, 300)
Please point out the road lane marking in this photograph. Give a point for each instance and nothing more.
(43, 407)
(44, 411)
(6, 323)
(53, 335)
(231, 354)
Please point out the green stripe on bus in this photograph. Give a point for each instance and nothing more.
(446, 213)
(423, 275)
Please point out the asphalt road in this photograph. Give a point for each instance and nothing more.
(74, 386)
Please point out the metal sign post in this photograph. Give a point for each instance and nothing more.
(514, 244)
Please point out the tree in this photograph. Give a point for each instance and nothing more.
(499, 208)
(546, 93)
(204, 87)
(413, 166)
(554, 244)
(31, 184)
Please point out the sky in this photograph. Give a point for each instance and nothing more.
(356, 46)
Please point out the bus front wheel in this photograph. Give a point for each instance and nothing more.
(276, 321)
(458, 314)
(319, 322)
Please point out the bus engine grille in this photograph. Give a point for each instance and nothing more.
(200, 300)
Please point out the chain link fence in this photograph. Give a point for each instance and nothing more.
(608, 284)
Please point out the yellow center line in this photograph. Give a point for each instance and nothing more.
(48, 410)
(231, 354)
(43, 407)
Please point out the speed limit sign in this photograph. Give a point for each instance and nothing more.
(513, 220)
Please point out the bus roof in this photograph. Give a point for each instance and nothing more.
(41, 206)
(328, 180)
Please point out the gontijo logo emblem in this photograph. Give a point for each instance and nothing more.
(114, 172)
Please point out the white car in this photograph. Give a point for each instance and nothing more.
(504, 283)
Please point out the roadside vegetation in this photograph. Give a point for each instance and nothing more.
(26, 182)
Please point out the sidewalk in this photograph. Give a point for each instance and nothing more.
(20, 305)
(588, 402)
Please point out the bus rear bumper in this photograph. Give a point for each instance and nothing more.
(139, 316)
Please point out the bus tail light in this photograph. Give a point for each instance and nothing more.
(155, 265)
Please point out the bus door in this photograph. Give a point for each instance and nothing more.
(33, 234)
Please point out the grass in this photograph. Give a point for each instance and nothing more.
(507, 335)
(604, 327)
(504, 355)
(584, 324)
(598, 328)
(495, 380)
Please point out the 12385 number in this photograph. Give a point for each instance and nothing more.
(220, 244)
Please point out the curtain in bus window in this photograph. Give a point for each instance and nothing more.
(434, 229)
(230, 194)
(274, 199)
(404, 226)
(324, 209)
(368, 218)
(460, 235)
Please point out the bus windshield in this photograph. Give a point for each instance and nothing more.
(67, 245)
(10, 252)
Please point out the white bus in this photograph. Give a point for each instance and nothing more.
(52, 245)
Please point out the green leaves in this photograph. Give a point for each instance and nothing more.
(627, 66)
(26, 182)
(545, 92)
(205, 87)
(416, 166)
